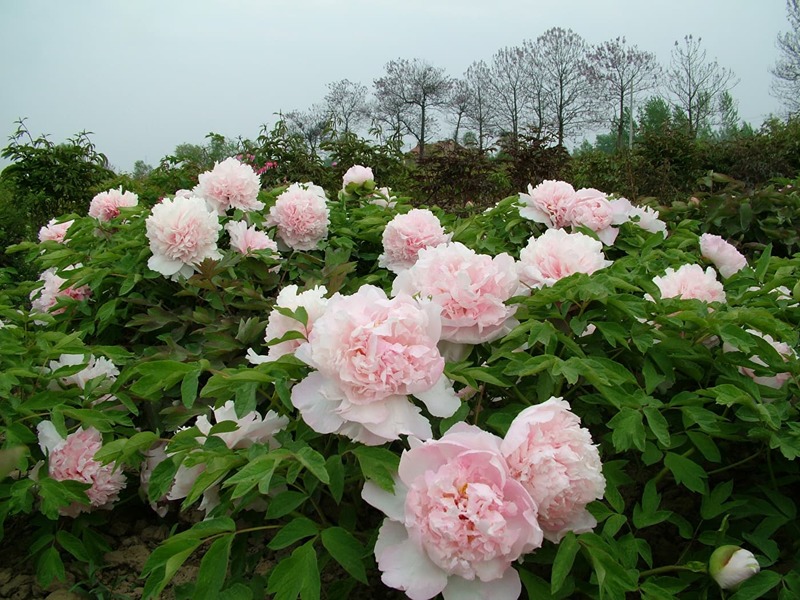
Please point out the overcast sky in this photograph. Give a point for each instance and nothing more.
(146, 75)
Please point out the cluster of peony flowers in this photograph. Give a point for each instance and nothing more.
(54, 231)
(468, 505)
(230, 184)
(245, 239)
(105, 205)
(557, 254)
(785, 351)
(724, 255)
(405, 235)
(280, 326)
(72, 458)
(470, 288)
(370, 353)
(183, 232)
(690, 282)
(45, 297)
(358, 178)
(301, 216)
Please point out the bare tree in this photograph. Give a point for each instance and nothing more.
(480, 112)
(419, 88)
(786, 85)
(696, 83)
(312, 125)
(622, 72)
(346, 103)
(569, 99)
(458, 105)
(509, 83)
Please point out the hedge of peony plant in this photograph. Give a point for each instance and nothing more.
(560, 397)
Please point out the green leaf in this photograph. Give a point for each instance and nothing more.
(378, 464)
(189, 387)
(49, 566)
(297, 575)
(686, 472)
(284, 503)
(335, 470)
(213, 568)
(758, 585)
(628, 430)
(562, 565)
(73, 545)
(294, 530)
(258, 472)
(314, 462)
(346, 550)
(658, 425)
(161, 479)
(164, 562)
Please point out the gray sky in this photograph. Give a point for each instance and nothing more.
(147, 75)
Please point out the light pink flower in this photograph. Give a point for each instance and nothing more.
(731, 565)
(591, 208)
(357, 175)
(244, 238)
(775, 381)
(44, 298)
(557, 254)
(456, 521)
(405, 235)
(251, 428)
(724, 255)
(183, 233)
(550, 454)
(471, 288)
(383, 197)
(105, 205)
(95, 367)
(278, 325)
(54, 231)
(690, 282)
(370, 353)
(73, 459)
(547, 203)
(301, 216)
(647, 218)
(230, 184)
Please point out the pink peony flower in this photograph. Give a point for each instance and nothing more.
(44, 298)
(547, 203)
(244, 238)
(456, 521)
(731, 565)
(53, 231)
(383, 197)
(183, 233)
(105, 205)
(370, 353)
(251, 428)
(776, 381)
(690, 281)
(647, 218)
(557, 254)
(73, 459)
(96, 367)
(301, 216)
(357, 175)
(230, 184)
(724, 255)
(406, 235)
(471, 288)
(278, 325)
(550, 454)
(591, 208)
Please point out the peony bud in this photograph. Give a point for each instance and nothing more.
(731, 565)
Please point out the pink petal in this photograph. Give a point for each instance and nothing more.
(508, 587)
(406, 567)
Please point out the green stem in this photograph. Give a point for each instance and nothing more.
(664, 569)
(736, 464)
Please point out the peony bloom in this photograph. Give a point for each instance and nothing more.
(53, 231)
(773, 381)
(44, 298)
(471, 288)
(251, 428)
(383, 197)
(153, 457)
(301, 216)
(230, 184)
(357, 176)
(406, 235)
(647, 218)
(456, 521)
(73, 459)
(591, 208)
(96, 367)
(690, 281)
(557, 254)
(244, 238)
(547, 203)
(183, 233)
(370, 353)
(278, 325)
(105, 205)
(724, 255)
(550, 454)
(731, 565)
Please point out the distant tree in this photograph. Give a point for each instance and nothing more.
(413, 89)
(480, 115)
(570, 102)
(141, 170)
(786, 85)
(730, 124)
(346, 103)
(510, 85)
(654, 115)
(695, 83)
(458, 105)
(311, 125)
(622, 72)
